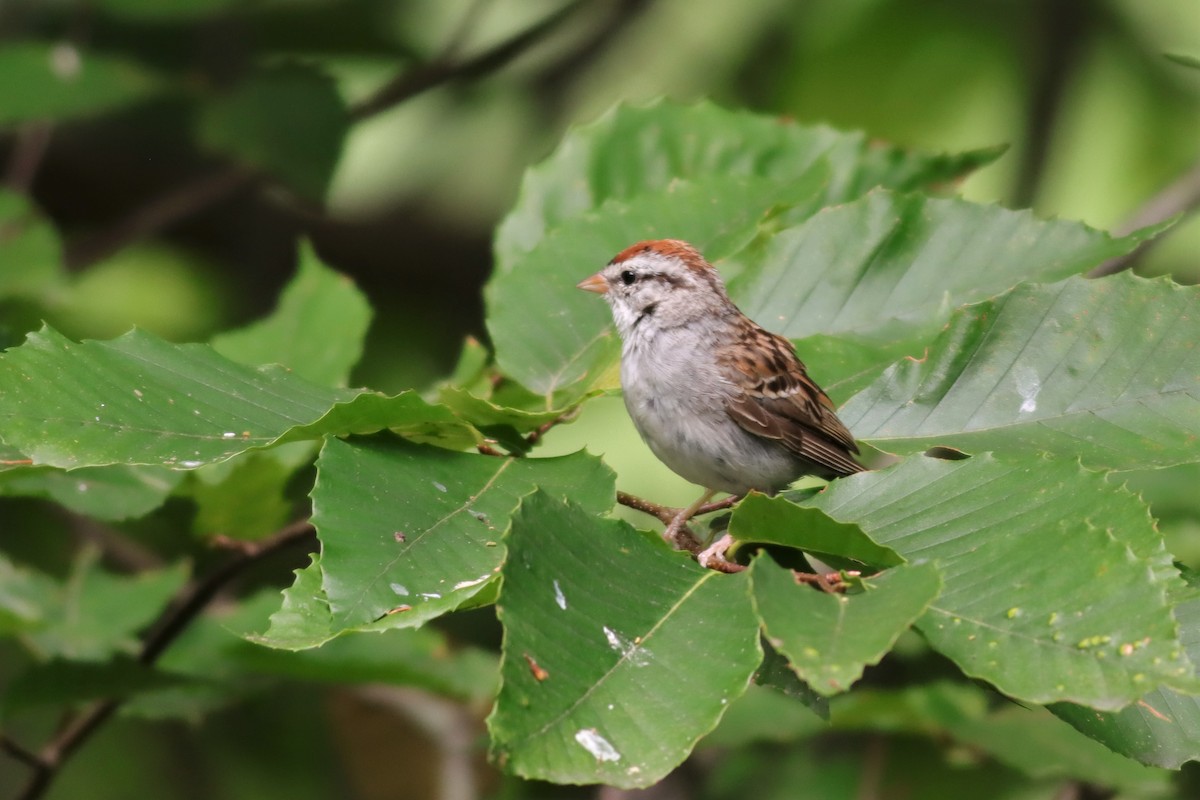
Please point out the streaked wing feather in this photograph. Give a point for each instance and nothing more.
(779, 401)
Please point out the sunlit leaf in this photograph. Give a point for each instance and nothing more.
(140, 400)
(1106, 370)
(894, 262)
(830, 638)
(604, 629)
(1056, 584)
(632, 151)
(410, 532)
(316, 331)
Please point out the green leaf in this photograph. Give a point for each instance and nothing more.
(484, 413)
(288, 120)
(410, 532)
(761, 714)
(30, 251)
(845, 365)
(1185, 59)
(60, 81)
(774, 520)
(25, 594)
(830, 638)
(890, 263)
(316, 331)
(109, 493)
(66, 683)
(928, 709)
(216, 648)
(140, 400)
(303, 619)
(1163, 726)
(632, 151)
(574, 343)
(1056, 583)
(246, 503)
(1104, 370)
(604, 629)
(95, 614)
(1040, 746)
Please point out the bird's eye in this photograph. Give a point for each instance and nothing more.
(629, 277)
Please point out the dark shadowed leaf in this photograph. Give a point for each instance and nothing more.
(288, 120)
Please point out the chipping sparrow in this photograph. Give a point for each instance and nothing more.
(721, 401)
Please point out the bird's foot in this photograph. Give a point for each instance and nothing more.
(713, 557)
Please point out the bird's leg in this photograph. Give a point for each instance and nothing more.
(677, 532)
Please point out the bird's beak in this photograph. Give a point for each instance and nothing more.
(596, 284)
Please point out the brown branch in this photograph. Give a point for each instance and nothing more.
(411, 83)
(30, 143)
(684, 539)
(181, 612)
(1181, 197)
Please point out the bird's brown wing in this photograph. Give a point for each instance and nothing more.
(777, 400)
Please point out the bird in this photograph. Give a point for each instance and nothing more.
(723, 402)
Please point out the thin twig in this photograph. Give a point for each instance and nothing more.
(411, 83)
(684, 539)
(18, 751)
(663, 514)
(1181, 197)
(183, 609)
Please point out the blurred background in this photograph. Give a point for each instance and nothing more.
(174, 153)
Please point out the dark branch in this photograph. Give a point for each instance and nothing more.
(1058, 36)
(411, 83)
(195, 195)
(180, 613)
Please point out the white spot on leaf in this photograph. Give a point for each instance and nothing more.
(441, 487)
(637, 655)
(591, 740)
(468, 584)
(399, 589)
(1028, 387)
(561, 598)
